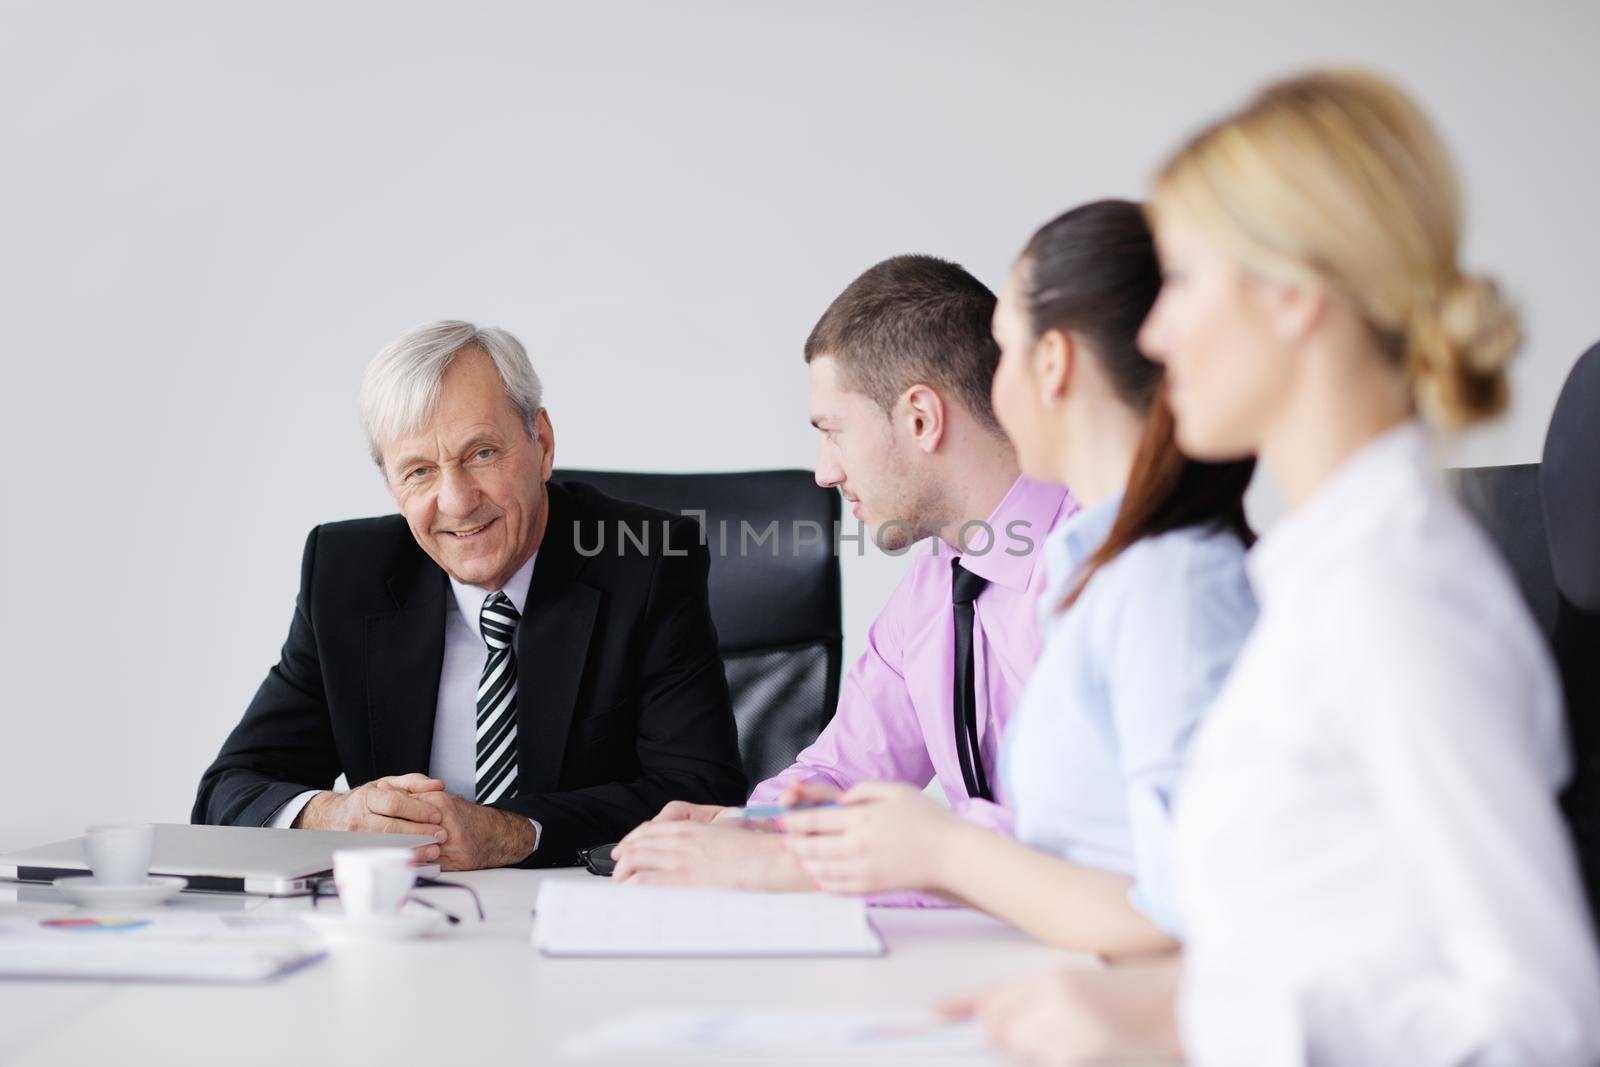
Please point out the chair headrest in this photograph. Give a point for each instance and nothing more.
(795, 566)
(1569, 483)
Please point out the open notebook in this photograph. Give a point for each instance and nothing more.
(601, 918)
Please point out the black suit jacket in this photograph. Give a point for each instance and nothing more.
(622, 701)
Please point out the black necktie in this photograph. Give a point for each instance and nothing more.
(964, 589)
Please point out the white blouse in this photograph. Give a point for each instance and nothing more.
(1371, 866)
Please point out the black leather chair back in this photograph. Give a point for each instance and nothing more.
(775, 596)
(1569, 481)
(1507, 504)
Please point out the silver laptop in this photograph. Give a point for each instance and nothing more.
(219, 859)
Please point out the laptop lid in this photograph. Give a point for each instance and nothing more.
(226, 859)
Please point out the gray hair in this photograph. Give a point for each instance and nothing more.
(401, 385)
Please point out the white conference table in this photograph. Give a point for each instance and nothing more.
(479, 994)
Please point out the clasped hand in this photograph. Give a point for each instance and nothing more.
(468, 836)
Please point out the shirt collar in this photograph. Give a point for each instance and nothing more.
(1007, 546)
(1074, 541)
(470, 598)
(1384, 474)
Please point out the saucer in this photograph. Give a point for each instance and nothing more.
(346, 929)
(89, 892)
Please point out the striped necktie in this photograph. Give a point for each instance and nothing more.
(497, 701)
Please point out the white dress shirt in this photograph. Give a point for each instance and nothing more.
(1371, 865)
(454, 756)
(1101, 735)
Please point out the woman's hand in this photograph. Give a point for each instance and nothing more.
(1063, 1018)
(884, 836)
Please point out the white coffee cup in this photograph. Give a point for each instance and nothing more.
(120, 854)
(373, 881)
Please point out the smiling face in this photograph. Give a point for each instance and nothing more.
(1228, 371)
(860, 456)
(471, 483)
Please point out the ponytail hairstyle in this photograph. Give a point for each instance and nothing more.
(1093, 274)
(1335, 178)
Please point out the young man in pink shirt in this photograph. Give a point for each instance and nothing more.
(901, 364)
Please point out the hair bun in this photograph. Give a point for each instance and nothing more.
(1459, 347)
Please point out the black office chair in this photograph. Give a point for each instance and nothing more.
(1545, 518)
(1506, 503)
(774, 588)
(1569, 482)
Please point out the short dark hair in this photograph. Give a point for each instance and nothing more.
(913, 319)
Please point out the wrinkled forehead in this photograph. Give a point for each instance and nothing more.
(469, 391)
(471, 406)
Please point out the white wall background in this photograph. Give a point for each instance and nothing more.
(212, 213)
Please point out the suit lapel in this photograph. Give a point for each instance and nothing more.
(405, 656)
(552, 644)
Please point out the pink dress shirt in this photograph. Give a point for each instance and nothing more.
(895, 720)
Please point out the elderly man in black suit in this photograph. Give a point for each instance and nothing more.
(473, 666)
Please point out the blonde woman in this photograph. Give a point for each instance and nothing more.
(1371, 865)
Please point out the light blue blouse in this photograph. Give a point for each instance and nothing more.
(1093, 754)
